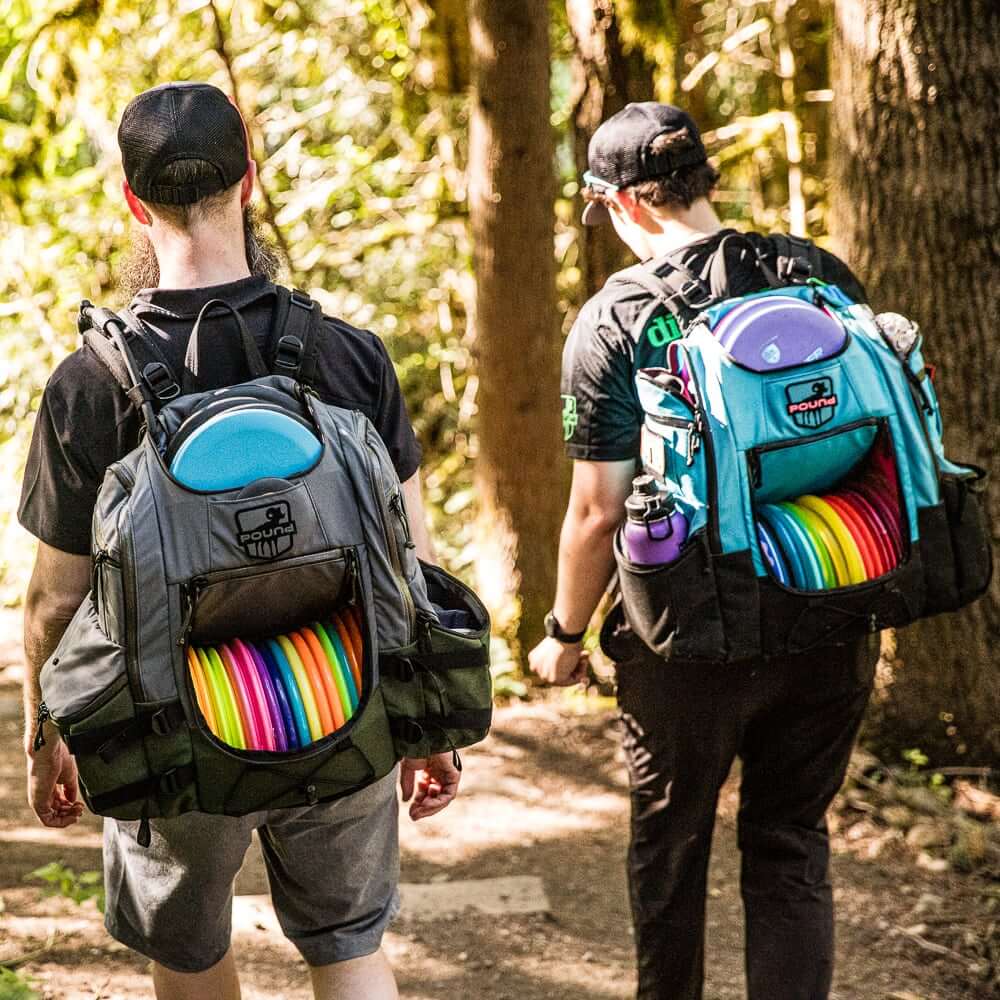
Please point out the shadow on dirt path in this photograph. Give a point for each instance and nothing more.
(544, 796)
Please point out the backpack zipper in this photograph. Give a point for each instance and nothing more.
(189, 600)
(390, 536)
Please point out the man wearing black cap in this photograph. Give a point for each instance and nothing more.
(792, 721)
(332, 868)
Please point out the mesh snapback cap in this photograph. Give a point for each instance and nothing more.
(620, 151)
(181, 121)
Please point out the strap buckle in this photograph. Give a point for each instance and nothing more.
(161, 383)
(163, 722)
(171, 782)
(690, 289)
(288, 353)
(797, 270)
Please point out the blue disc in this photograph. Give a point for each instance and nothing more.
(813, 572)
(771, 552)
(238, 446)
(275, 654)
(775, 520)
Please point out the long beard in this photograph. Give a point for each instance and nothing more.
(139, 268)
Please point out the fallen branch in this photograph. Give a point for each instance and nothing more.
(14, 963)
(932, 946)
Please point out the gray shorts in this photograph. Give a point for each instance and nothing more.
(333, 869)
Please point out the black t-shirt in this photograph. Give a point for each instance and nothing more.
(85, 422)
(602, 418)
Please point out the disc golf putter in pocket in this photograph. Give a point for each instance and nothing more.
(238, 446)
(768, 334)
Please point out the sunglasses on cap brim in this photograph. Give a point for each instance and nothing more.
(598, 184)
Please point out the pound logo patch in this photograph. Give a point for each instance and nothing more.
(265, 532)
(812, 403)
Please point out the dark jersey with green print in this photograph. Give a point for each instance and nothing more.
(623, 328)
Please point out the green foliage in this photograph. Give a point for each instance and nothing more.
(77, 886)
(15, 987)
(362, 170)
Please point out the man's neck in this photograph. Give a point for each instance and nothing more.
(679, 230)
(200, 259)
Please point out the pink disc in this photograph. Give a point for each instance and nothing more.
(246, 662)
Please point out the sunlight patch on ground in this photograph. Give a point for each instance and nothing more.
(44, 835)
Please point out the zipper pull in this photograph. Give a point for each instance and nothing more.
(756, 476)
(189, 592)
(353, 572)
(424, 641)
(95, 575)
(396, 506)
(41, 718)
(693, 444)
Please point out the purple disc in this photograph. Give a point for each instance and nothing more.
(779, 331)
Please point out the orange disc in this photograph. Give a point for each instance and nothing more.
(319, 658)
(315, 676)
(343, 626)
(201, 691)
(352, 619)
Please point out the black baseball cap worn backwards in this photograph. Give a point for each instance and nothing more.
(620, 151)
(181, 121)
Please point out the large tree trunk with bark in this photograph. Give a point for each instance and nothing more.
(916, 212)
(606, 78)
(519, 469)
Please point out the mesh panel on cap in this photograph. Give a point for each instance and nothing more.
(181, 122)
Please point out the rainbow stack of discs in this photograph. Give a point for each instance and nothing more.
(838, 540)
(281, 693)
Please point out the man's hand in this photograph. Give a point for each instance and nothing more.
(558, 662)
(435, 787)
(53, 789)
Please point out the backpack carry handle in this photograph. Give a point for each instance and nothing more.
(192, 358)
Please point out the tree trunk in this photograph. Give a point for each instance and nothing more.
(916, 211)
(605, 80)
(511, 204)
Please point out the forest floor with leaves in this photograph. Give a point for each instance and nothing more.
(544, 796)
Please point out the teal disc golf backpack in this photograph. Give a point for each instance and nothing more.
(228, 577)
(740, 441)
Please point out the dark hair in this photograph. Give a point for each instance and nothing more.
(679, 189)
(190, 172)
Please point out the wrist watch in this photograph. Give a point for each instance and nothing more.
(555, 631)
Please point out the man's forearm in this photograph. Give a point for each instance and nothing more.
(42, 632)
(586, 564)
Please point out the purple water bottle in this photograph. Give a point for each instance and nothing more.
(655, 529)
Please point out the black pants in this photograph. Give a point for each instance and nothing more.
(792, 722)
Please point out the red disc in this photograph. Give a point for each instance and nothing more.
(862, 535)
(886, 543)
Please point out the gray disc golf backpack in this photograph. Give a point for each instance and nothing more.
(175, 568)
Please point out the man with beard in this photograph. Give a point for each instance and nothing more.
(333, 867)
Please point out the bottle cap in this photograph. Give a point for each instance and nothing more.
(648, 502)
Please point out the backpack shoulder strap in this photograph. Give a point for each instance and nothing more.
(680, 291)
(110, 338)
(297, 329)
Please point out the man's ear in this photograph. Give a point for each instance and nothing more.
(246, 185)
(135, 206)
(629, 205)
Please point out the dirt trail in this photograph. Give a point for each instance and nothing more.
(544, 796)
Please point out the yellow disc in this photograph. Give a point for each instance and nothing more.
(848, 546)
(305, 688)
